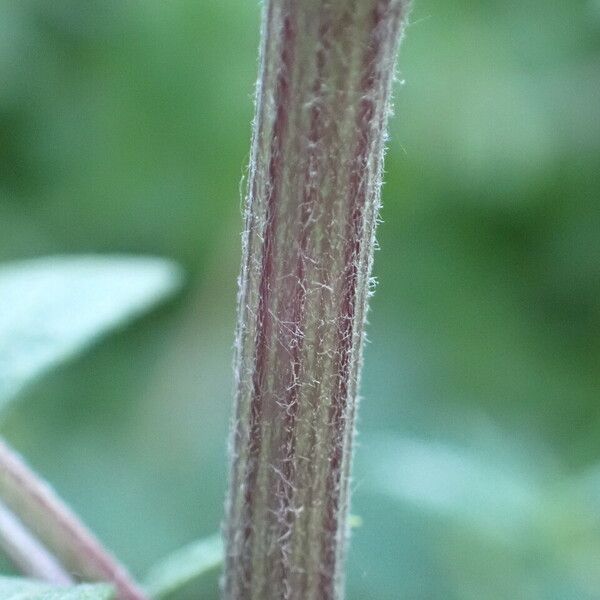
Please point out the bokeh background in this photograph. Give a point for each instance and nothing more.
(124, 128)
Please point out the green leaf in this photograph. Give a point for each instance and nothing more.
(184, 565)
(13, 588)
(493, 493)
(51, 308)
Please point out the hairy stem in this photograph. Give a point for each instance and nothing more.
(50, 519)
(313, 197)
(27, 553)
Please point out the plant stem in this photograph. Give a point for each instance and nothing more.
(322, 103)
(27, 553)
(49, 518)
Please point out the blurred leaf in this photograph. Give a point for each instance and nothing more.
(184, 565)
(12, 588)
(505, 500)
(355, 521)
(496, 497)
(52, 308)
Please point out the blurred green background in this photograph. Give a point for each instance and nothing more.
(124, 128)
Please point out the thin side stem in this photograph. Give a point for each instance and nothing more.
(50, 519)
(322, 103)
(27, 553)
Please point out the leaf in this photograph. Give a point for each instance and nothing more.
(494, 495)
(508, 500)
(355, 521)
(52, 308)
(185, 565)
(13, 588)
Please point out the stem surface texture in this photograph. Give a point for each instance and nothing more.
(322, 104)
